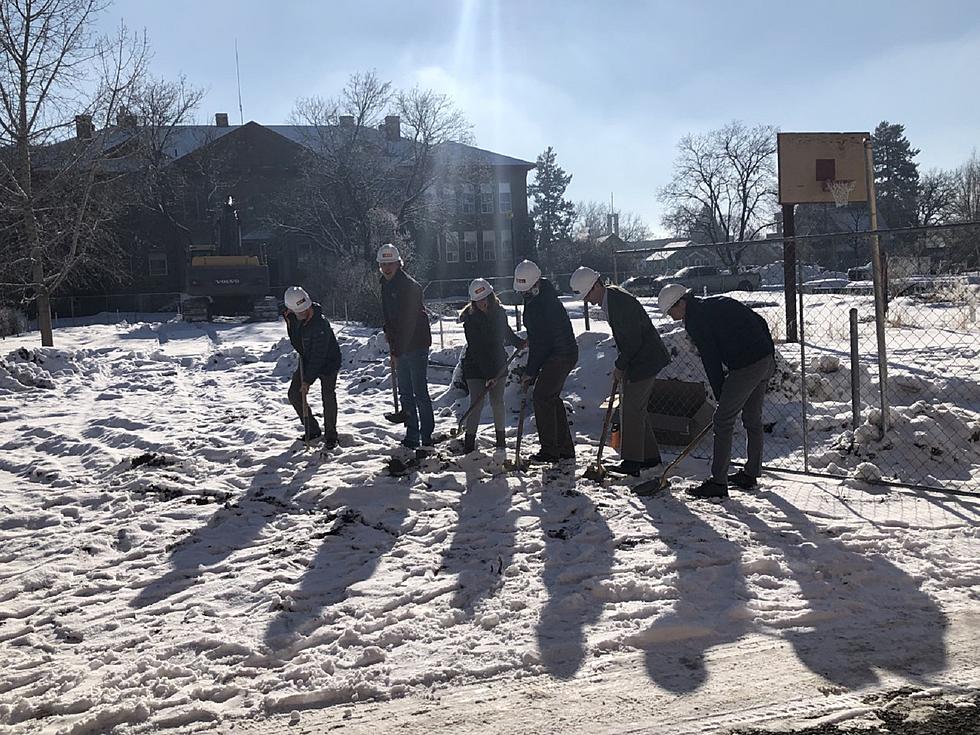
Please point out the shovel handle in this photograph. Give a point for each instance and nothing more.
(393, 363)
(483, 393)
(607, 420)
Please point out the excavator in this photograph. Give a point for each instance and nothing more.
(221, 280)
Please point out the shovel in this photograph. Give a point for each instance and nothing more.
(397, 416)
(596, 472)
(519, 465)
(477, 402)
(651, 487)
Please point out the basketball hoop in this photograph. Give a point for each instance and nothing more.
(840, 189)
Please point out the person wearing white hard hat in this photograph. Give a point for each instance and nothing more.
(319, 359)
(738, 355)
(406, 327)
(641, 356)
(552, 354)
(487, 332)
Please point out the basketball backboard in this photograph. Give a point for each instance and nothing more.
(810, 163)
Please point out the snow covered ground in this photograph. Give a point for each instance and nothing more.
(170, 559)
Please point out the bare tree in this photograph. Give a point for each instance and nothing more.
(936, 197)
(591, 222)
(362, 163)
(54, 187)
(966, 208)
(723, 187)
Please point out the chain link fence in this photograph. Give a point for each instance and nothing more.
(840, 405)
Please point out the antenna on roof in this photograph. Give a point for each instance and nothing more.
(238, 74)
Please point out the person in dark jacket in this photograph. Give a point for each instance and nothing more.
(738, 355)
(552, 354)
(319, 358)
(487, 331)
(641, 356)
(406, 326)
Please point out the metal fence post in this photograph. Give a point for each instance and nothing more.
(585, 308)
(442, 340)
(803, 394)
(855, 375)
(879, 287)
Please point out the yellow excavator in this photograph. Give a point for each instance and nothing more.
(221, 280)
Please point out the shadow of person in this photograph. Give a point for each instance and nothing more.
(363, 525)
(483, 542)
(578, 556)
(710, 604)
(232, 528)
(864, 613)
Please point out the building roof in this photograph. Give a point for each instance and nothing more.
(179, 141)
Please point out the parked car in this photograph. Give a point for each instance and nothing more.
(699, 278)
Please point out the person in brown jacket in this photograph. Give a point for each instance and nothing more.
(406, 326)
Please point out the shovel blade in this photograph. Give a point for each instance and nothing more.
(519, 466)
(595, 472)
(651, 487)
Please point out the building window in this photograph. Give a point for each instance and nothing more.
(157, 264)
(452, 247)
(506, 247)
(506, 204)
(489, 245)
(469, 199)
(449, 199)
(469, 247)
(486, 198)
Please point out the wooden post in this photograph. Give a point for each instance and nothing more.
(789, 272)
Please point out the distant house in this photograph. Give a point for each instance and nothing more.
(482, 195)
(681, 253)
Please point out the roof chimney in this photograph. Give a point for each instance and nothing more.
(84, 129)
(393, 128)
(125, 119)
(221, 119)
(346, 121)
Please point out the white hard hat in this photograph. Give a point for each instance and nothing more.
(526, 274)
(670, 295)
(297, 300)
(388, 253)
(480, 288)
(583, 280)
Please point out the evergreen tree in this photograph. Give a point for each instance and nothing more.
(552, 215)
(896, 175)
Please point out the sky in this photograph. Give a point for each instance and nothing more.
(612, 86)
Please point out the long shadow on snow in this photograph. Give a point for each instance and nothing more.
(578, 556)
(355, 539)
(711, 593)
(483, 543)
(856, 599)
(232, 528)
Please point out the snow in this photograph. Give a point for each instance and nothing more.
(171, 560)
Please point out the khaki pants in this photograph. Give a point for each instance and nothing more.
(639, 444)
(476, 387)
(743, 391)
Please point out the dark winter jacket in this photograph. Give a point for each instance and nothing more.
(549, 330)
(406, 324)
(727, 333)
(316, 344)
(486, 335)
(641, 352)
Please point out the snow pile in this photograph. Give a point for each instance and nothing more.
(228, 358)
(24, 369)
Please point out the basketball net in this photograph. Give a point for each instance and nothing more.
(840, 190)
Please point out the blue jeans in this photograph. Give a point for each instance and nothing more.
(413, 389)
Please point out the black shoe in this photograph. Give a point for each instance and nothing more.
(743, 480)
(330, 442)
(501, 440)
(627, 467)
(424, 452)
(310, 436)
(544, 458)
(709, 489)
(408, 445)
(649, 463)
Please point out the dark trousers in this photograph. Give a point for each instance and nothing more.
(413, 389)
(328, 391)
(549, 408)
